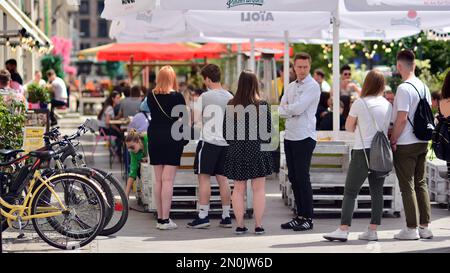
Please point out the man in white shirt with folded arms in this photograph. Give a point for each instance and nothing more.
(299, 105)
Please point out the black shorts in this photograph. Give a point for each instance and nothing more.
(210, 159)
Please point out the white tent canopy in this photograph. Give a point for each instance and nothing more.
(117, 8)
(252, 5)
(396, 5)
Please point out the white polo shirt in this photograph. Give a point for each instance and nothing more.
(299, 105)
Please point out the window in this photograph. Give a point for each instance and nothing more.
(84, 46)
(84, 7)
(102, 28)
(100, 6)
(85, 30)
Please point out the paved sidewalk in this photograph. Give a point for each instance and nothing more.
(141, 235)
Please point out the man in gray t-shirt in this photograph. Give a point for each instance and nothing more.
(129, 107)
(212, 148)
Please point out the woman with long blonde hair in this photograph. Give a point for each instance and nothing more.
(165, 151)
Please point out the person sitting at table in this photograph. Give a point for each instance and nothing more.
(137, 145)
(130, 105)
(106, 115)
(140, 121)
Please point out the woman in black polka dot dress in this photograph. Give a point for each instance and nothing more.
(247, 129)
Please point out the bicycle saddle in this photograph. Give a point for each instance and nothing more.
(44, 155)
(10, 153)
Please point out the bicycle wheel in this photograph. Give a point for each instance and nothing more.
(96, 177)
(99, 178)
(121, 206)
(80, 223)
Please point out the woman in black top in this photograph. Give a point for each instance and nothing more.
(247, 158)
(165, 149)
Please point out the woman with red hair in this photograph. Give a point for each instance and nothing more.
(164, 150)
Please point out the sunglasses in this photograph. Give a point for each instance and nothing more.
(347, 74)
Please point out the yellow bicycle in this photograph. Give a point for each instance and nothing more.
(67, 210)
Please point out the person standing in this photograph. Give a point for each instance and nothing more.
(16, 79)
(247, 118)
(212, 148)
(165, 152)
(371, 107)
(299, 105)
(60, 97)
(444, 110)
(11, 66)
(348, 87)
(410, 152)
(319, 76)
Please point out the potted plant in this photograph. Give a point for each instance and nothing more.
(38, 96)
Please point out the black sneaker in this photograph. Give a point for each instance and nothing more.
(199, 223)
(240, 231)
(226, 222)
(259, 231)
(305, 225)
(291, 224)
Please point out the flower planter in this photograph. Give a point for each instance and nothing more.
(34, 106)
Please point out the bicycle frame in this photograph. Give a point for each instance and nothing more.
(26, 206)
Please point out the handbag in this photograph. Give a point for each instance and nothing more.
(183, 141)
(381, 157)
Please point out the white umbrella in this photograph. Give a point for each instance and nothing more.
(117, 8)
(251, 5)
(395, 20)
(399, 5)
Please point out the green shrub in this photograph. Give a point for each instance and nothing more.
(12, 121)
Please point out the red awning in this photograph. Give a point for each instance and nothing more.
(211, 51)
(146, 52)
(177, 51)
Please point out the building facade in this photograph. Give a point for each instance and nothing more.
(52, 17)
(92, 29)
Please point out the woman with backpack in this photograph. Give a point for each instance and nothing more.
(371, 108)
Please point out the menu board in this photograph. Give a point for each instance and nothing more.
(36, 125)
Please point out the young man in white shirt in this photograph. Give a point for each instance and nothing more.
(299, 105)
(410, 152)
(212, 148)
(60, 96)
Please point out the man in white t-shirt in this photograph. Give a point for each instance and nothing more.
(410, 152)
(59, 90)
(212, 148)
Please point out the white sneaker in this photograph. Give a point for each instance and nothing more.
(168, 226)
(407, 234)
(337, 235)
(369, 235)
(158, 226)
(425, 233)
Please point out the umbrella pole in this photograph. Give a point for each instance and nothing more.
(336, 74)
(286, 71)
(252, 55)
(130, 69)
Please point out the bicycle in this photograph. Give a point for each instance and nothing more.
(59, 207)
(117, 213)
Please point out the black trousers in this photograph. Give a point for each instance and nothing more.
(298, 159)
(55, 103)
